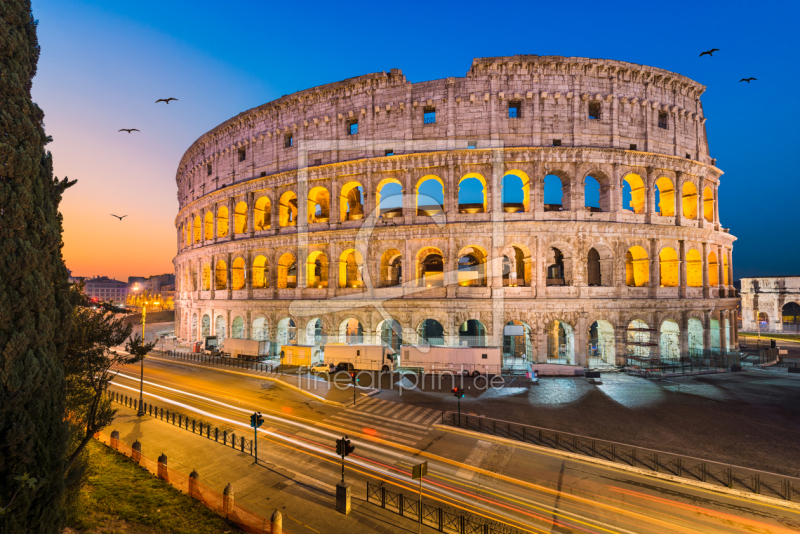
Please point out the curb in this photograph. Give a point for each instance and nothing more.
(623, 467)
(268, 378)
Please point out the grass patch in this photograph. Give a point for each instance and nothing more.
(121, 497)
(165, 316)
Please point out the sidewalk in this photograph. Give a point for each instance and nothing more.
(305, 497)
(341, 395)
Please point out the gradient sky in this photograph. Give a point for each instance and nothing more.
(104, 63)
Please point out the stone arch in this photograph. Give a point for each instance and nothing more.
(205, 326)
(558, 265)
(429, 267)
(206, 277)
(319, 205)
(689, 200)
(221, 275)
(637, 267)
(209, 226)
(351, 264)
(725, 274)
(605, 263)
(639, 339)
(637, 190)
(472, 207)
(240, 218)
(694, 330)
(669, 267)
(427, 202)
(351, 202)
(391, 268)
(260, 272)
(669, 339)
(394, 190)
(237, 327)
(519, 180)
(517, 265)
(262, 213)
(604, 184)
(713, 269)
(472, 333)
(222, 221)
(560, 342)
(553, 197)
(287, 271)
(472, 266)
(708, 204)
(389, 333)
(351, 331)
(219, 328)
(790, 313)
(317, 270)
(197, 225)
(430, 332)
(315, 334)
(601, 342)
(694, 268)
(286, 333)
(517, 348)
(259, 329)
(665, 189)
(238, 274)
(287, 209)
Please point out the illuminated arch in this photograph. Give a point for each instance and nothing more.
(351, 331)
(423, 201)
(669, 265)
(430, 332)
(221, 275)
(472, 266)
(666, 196)
(467, 207)
(694, 269)
(319, 205)
(260, 272)
(713, 269)
(637, 267)
(391, 268)
(197, 226)
(287, 271)
(725, 269)
(637, 192)
(351, 202)
(708, 204)
(287, 207)
(238, 274)
(237, 327)
(206, 277)
(222, 221)
(350, 265)
(429, 267)
(601, 343)
(508, 182)
(389, 208)
(317, 270)
(262, 213)
(240, 218)
(259, 329)
(209, 226)
(689, 200)
(560, 342)
(669, 340)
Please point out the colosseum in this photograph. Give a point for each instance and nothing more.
(563, 208)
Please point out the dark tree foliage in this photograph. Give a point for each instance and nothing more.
(34, 311)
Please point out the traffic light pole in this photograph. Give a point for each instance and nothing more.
(255, 442)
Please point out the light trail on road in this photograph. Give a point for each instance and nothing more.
(522, 502)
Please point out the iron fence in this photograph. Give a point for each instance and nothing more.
(734, 477)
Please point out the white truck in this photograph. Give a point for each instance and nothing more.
(457, 360)
(249, 349)
(360, 357)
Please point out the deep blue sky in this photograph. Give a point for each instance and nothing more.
(104, 63)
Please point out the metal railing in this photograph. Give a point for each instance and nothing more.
(731, 476)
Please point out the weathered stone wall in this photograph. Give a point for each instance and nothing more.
(768, 295)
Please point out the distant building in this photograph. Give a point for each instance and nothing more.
(153, 285)
(167, 292)
(107, 289)
(773, 301)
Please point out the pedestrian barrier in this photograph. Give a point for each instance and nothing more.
(730, 476)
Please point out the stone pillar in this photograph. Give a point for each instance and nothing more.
(343, 494)
(731, 290)
(581, 332)
(715, 192)
(722, 342)
(194, 478)
(678, 199)
(251, 214)
(228, 500)
(655, 268)
(650, 193)
(700, 213)
(335, 216)
(682, 275)
(231, 218)
(274, 203)
(163, 471)
(136, 451)
(450, 192)
(228, 273)
(115, 439)
(248, 273)
(721, 290)
(707, 329)
(276, 523)
(684, 335)
(705, 273)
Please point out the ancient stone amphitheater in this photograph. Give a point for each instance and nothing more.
(563, 208)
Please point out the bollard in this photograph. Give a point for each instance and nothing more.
(163, 472)
(216, 434)
(192, 426)
(180, 421)
(115, 439)
(224, 437)
(276, 523)
(194, 478)
(227, 500)
(242, 443)
(136, 451)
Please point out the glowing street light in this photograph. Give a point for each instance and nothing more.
(140, 412)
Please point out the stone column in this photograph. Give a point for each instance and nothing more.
(451, 114)
(655, 268)
(248, 274)
(335, 216)
(580, 341)
(707, 329)
(650, 193)
(715, 192)
(731, 290)
(228, 500)
(684, 334)
(231, 218)
(722, 342)
(700, 213)
(678, 199)
(705, 272)
(274, 203)
(251, 214)
(369, 195)
(721, 287)
(682, 276)
(450, 192)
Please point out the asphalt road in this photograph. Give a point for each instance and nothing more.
(537, 491)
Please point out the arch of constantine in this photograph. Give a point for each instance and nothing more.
(549, 205)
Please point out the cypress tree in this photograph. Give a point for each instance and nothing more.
(34, 310)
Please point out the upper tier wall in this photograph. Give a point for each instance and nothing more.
(554, 96)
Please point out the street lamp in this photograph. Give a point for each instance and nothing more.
(140, 413)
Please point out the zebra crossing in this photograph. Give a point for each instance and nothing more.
(401, 423)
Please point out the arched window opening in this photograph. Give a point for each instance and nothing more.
(197, 225)
(472, 194)
(713, 270)
(237, 328)
(763, 319)
(351, 332)
(350, 269)
(665, 197)
(694, 269)
(221, 276)
(390, 199)
(240, 218)
(351, 203)
(238, 274)
(315, 336)
(472, 333)
(640, 342)
(472, 267)
(431, 268)
(708, 204)
(286, 335)
(695, 331)
(790, 313)
(637, 267)
(430, 196)
(259, 330)
(188, 235)
(553, 193)
(430, 332)
(319, 205)
(633, 193)
(219, 328)
(715, 338)
(591, 195)
(205, 326)
(602, 344)
(209, 226)
(391, 268)
(262, 213)
(287, 272)
(689, 200)
(287, 209)
(515, 193)
(555, 268)
(317, 270)
(517, 346)
(669, 266)
(560, 343)
(391, 334)
(206, 277)
(193, 332)
(670, 341)
(594, 277)
(260, 273)
(222, 221)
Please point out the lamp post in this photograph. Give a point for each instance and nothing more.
(140, 413)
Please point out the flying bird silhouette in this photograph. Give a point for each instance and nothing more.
(118, 217)
(129, 130)
(165, 100)
(747, 80)
(709, 52)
